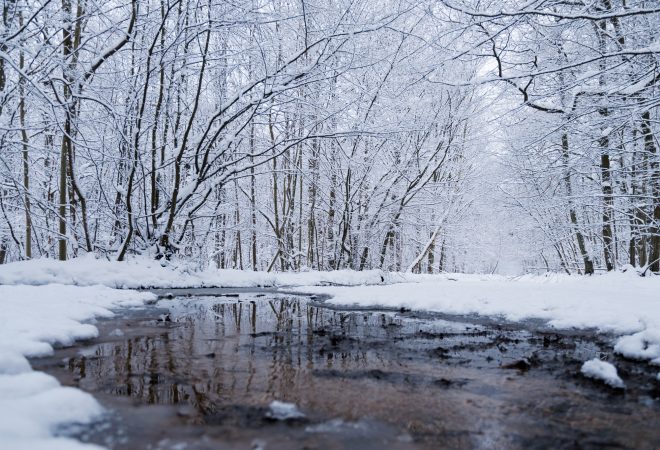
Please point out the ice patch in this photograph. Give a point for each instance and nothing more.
(604, 371)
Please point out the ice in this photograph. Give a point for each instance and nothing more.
(604, 371)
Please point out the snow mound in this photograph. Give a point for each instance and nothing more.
(284, 411)
(644, 345)
(604, 371)
(33, 405)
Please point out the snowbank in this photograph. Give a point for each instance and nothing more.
(620, 303)
(33, 405)
(146, 272)
(604, 371)
(616, 302)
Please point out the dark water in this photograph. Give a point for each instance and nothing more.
(201, 372)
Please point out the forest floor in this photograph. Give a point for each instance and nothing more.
(475, 325)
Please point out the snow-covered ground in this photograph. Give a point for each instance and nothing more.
(620, 303)
(33, 405)
(147, 272)
(45, 302)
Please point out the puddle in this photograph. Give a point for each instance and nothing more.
(202, 372)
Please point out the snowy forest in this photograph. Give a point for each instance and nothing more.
(330, 224)
(421, 136)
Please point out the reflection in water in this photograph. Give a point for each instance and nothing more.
(205, 355)
(221, 361)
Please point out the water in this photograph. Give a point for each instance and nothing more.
(201, 372)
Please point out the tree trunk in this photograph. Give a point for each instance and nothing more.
(26, 159)
(67, 46)
(654, 171)
(605, 168)
(588, 263)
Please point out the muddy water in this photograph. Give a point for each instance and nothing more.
(200, 373)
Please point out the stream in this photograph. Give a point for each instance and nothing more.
(201, 368)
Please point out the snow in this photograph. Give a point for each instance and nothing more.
(147, 272)
(46, 302)
(34, 317)
(284, 411)
(617, 302)
(33, 405)
(620, 303)
(642, 345)
(604, 371)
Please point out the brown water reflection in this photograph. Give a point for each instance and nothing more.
(202, 371)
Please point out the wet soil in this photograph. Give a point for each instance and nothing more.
(200, 371)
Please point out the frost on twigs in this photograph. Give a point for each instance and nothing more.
(603, 371)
